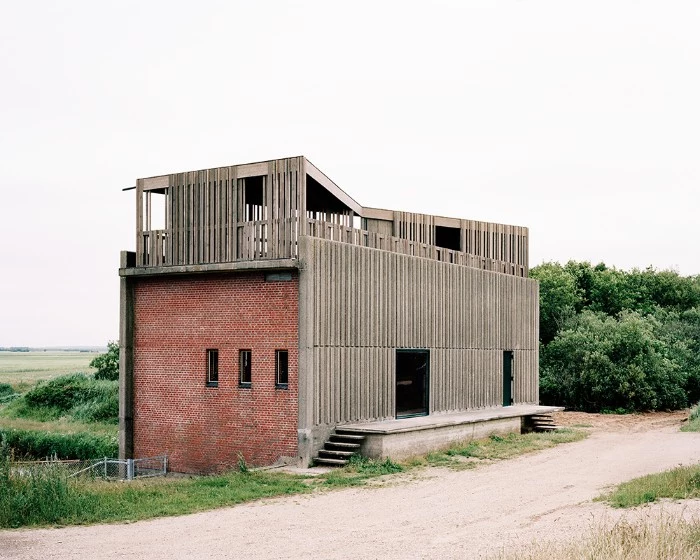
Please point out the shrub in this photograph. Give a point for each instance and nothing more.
(7, 393)
(107, 365)
(601, 362)
(77, 395)
(617, 340)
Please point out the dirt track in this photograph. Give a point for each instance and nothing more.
(436, 514)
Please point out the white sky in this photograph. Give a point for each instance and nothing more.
(578, 119)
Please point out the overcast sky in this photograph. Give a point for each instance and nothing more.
(578, 119)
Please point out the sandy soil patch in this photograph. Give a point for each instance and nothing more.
(441, 514)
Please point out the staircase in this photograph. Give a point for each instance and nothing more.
(543, 423)
(338, 449)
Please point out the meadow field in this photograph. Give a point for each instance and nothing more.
(22, 370)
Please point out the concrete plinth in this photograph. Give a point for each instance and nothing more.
(407, 437)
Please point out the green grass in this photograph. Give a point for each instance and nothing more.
(359, 471)
(48, 498)
(22, 370)
(693, 424)
(497, 448)
(679, 483)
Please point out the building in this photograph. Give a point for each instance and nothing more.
(264, 307)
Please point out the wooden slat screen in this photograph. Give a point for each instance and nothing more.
(366, 303)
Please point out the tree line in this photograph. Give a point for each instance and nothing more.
(618, 341)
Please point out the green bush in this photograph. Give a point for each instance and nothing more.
(618, 341)
(6, 389)
(77, 395)
(7, 393)
(38, 445)
(607, 363)
(107, 365)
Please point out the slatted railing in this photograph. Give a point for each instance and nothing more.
(277, 239)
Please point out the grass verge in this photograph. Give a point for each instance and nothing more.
(693, 424)
(658, 538)
(496, 448)
(679, 483)
(47, 497)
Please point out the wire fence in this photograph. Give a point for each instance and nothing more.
(106, 468)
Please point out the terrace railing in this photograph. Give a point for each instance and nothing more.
(277, 239)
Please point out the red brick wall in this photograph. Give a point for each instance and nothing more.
(200, 428)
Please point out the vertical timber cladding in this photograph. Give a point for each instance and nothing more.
(367, 303)
(206, 214)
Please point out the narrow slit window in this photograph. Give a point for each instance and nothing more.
(245, 369)
(212, 368)
(281, 368)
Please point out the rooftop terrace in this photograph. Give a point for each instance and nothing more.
(256, 212)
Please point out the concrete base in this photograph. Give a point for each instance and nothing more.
(404, 438)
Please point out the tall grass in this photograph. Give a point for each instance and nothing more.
(34, 496)
(33, 444)
(662, 537)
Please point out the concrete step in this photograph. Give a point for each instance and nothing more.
(342, 446)
(330, 462)
(334, 454)
(340, 436)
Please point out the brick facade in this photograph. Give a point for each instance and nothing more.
(203, 428)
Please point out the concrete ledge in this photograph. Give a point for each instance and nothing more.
(268, 264)
(403, 438)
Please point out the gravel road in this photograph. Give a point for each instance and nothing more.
(433, 514)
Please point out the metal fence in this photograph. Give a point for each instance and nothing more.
(106, 468)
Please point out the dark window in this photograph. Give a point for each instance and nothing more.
(281, 368)
(448, 237)
(244, 359)
(212, 368)
(254, 190)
